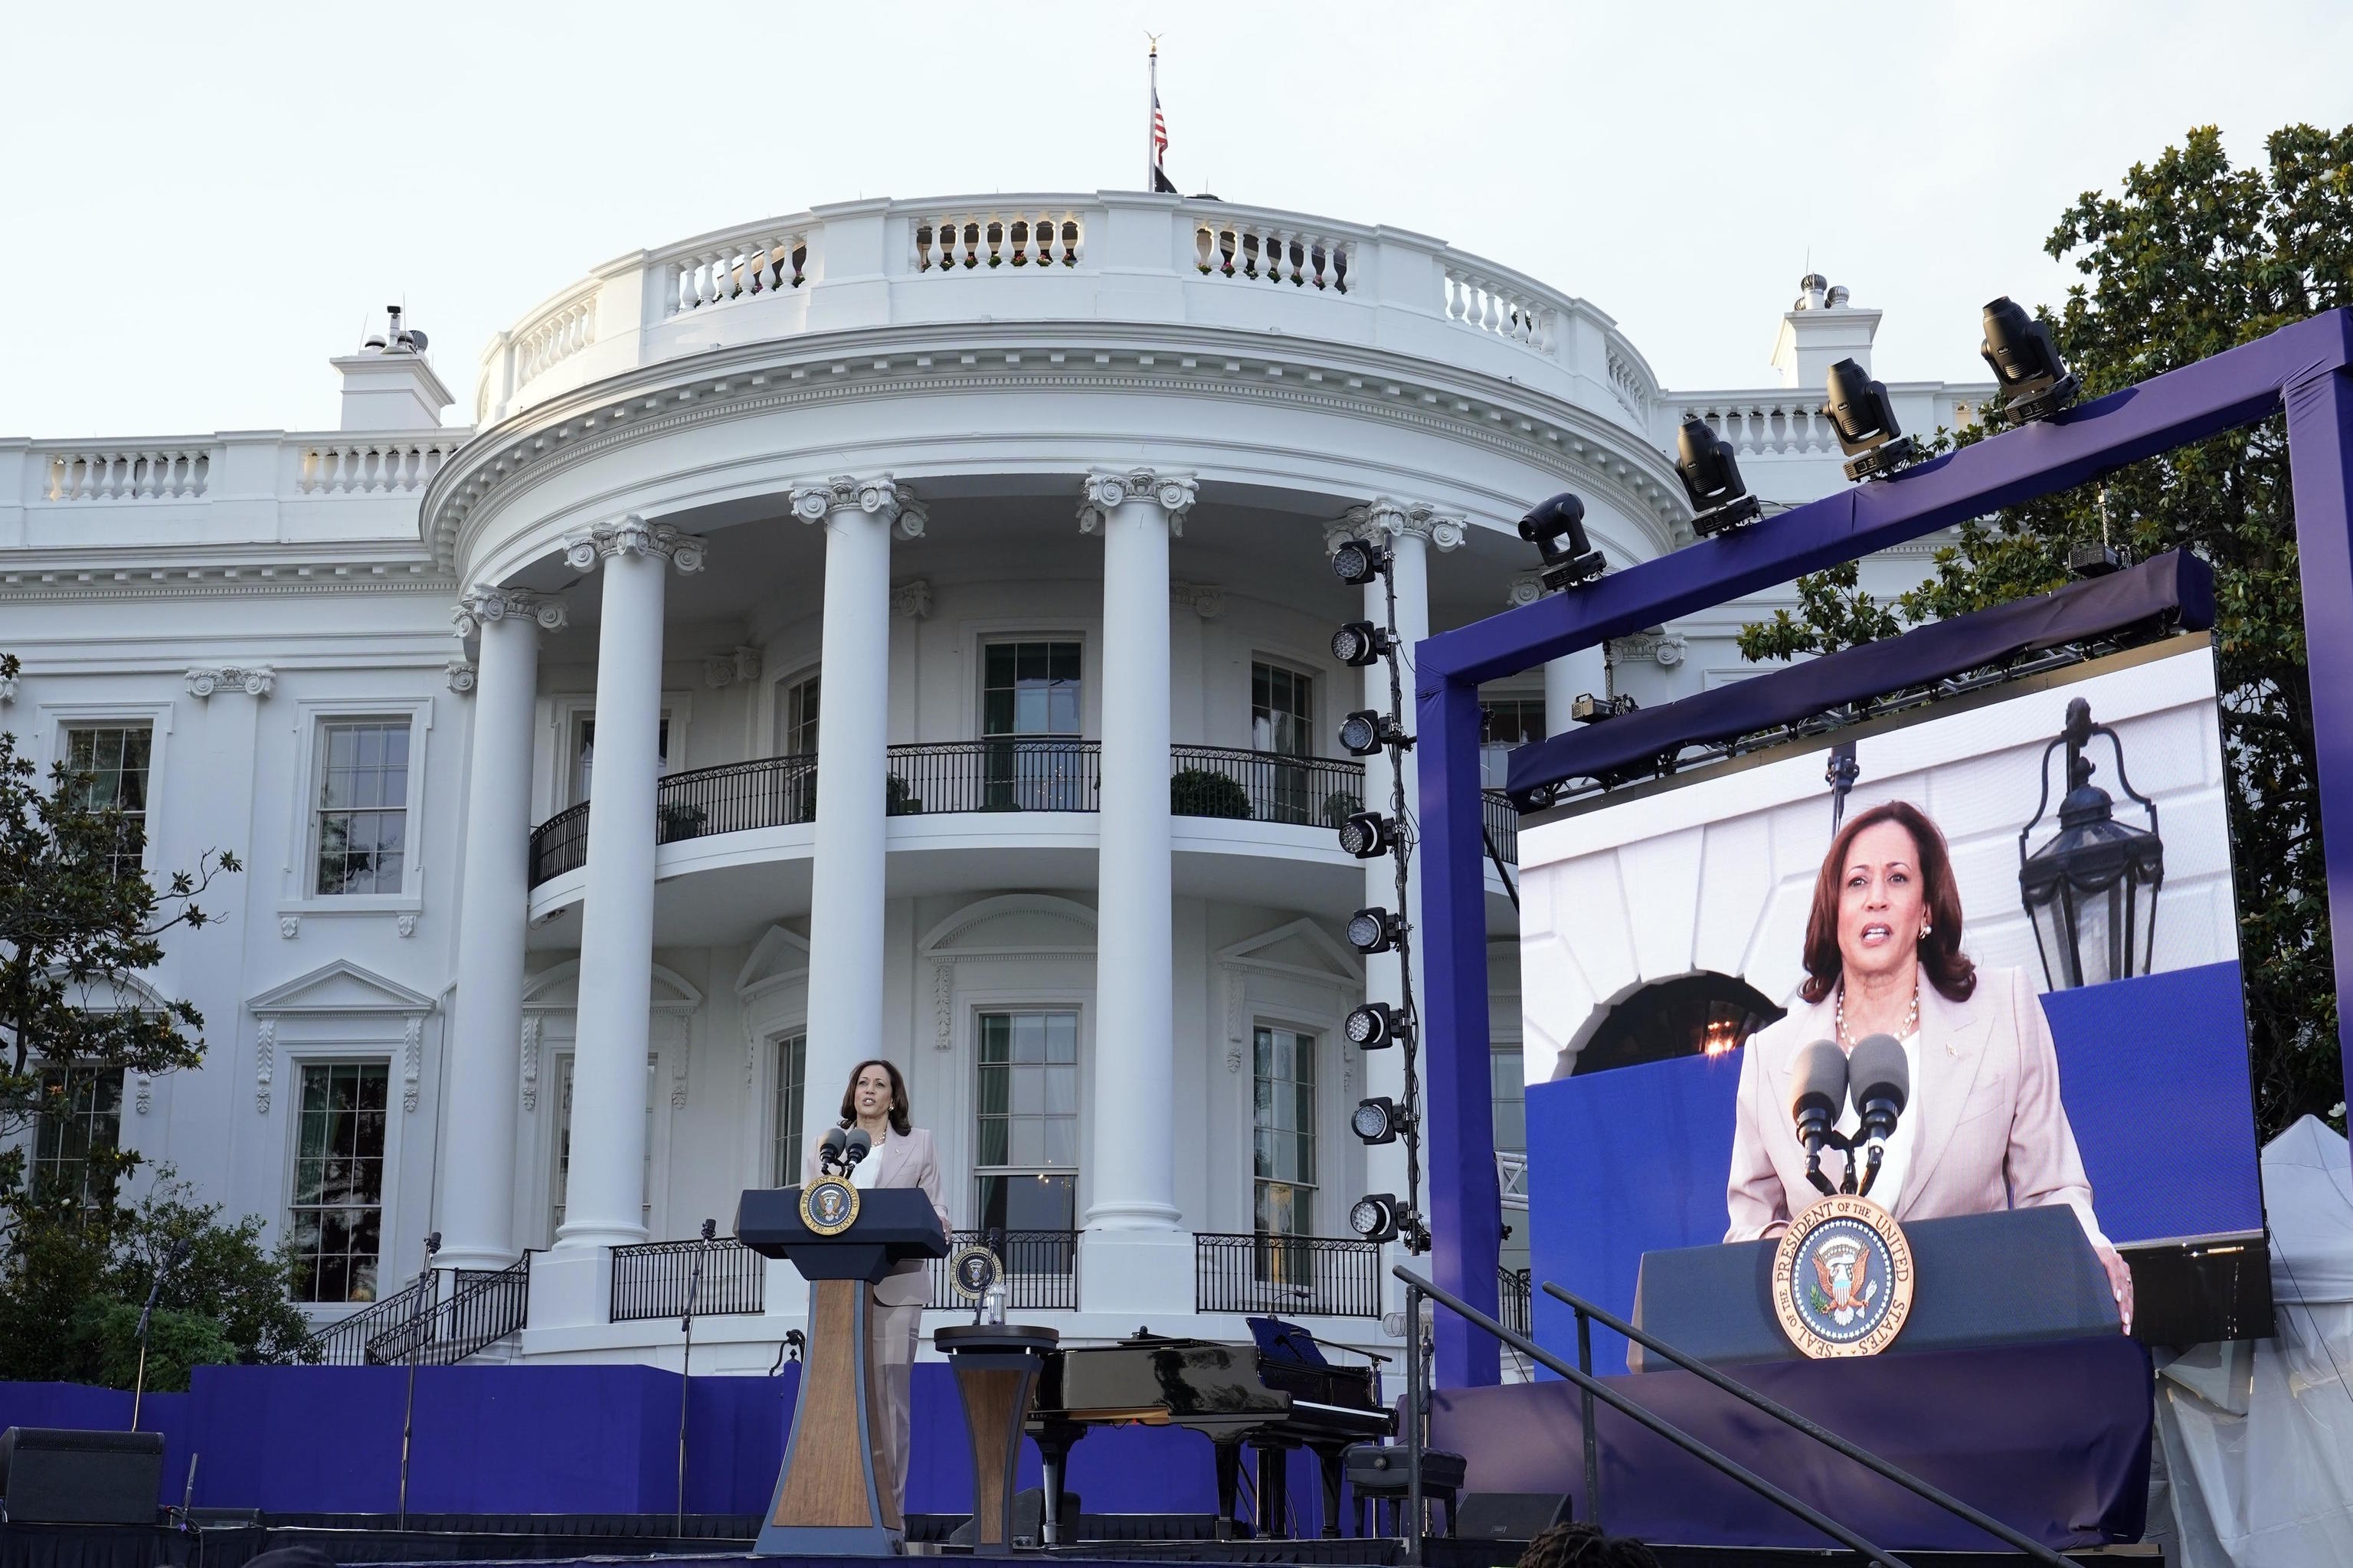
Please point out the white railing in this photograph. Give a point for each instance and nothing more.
(739, 266)
(1795, 425)
(1272, 253)
(555, 337)
(1489, 304)
(379, 466)
(1629, 385)
(946, 243)
(149, 474)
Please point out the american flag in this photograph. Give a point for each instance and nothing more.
(1160, 181)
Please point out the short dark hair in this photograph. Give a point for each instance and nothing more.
(899, 1106)
(1581, 1545)
(1941, 959)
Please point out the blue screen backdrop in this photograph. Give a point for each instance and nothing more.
(2153, 1072)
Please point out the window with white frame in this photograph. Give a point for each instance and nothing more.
(1025, 1170)
(360, 827)
(109, 763)
(1283, 1133)
(1029, 716)
(337, 1209)
(1283, 723)
(797, 716)
(556, 1187)
(792, 1077)
(80, 1116)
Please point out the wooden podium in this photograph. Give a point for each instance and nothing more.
(830, 1499)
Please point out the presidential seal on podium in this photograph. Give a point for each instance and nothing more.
(829, 1205)
(973, 1269)
(1843, 1279)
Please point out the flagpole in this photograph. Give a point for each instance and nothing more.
(1151, 124)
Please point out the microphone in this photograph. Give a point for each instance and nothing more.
(861, 1144)
(829, 1152)
(1816, 1095)
(1883, 1085)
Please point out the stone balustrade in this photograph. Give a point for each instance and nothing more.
(1117, 256)
(128, 474)
(1792, 421)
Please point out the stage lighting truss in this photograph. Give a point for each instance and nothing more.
(1358, 561)
(1376, 1026)
(1378, 1120)
(2035, 382)
(1555, 526)
(1711, 477)
(1359, 643)
(1366, 730)
(1864, 420)
(1375, 930)
(1377, 1216)
(1367, 835)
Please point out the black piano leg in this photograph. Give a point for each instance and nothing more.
(1273, 1492)
(1327, 1463)
(1229, 1486)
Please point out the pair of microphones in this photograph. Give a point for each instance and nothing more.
(842, 1150)
(1880, 1079)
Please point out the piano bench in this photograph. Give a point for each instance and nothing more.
(1375, 1472)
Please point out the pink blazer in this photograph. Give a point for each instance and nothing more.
(907, 1160)
(1991, 1133)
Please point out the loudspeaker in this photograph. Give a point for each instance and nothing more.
(50, 1476)
(1512, 1516)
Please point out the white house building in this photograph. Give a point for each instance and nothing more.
(895, 628)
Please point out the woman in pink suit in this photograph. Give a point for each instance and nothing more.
(902, 1156)
(1984, 1128)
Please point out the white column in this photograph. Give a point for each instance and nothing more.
(1409, 530)
(845, 993)
(1133, 1257)
(605, 1185)
(494, 899)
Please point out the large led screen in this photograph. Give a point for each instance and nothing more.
(2077, 1033)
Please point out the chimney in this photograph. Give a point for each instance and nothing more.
(388, 385)
(1818, 331)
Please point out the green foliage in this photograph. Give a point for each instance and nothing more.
(75, 1273)
(2190, 257)
(1200, 792)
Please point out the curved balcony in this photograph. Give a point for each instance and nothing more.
(994, 776)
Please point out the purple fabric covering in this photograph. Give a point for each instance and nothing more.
(2051, 1439)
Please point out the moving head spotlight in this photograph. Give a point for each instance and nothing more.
(1865, 422)
(1546, 525)
(2035, 382)
(1711, 477)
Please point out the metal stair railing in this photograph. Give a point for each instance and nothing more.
(1592, 1388)
(1870, 1461)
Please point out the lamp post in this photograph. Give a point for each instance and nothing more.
(2090, 889)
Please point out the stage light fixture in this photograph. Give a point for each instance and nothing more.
(1366, 730)
(1590, 709)
(1367, 835)
(1375, 930)
(1550, 523)
(1359, 643)
(1358, 561)
(1711, 477)
(1865, 422)
(1375, 1216)
(2035, 382)
(1376, 1026)
(1377, 1120)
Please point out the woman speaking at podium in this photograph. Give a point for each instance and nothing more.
(1984, 1129)
(902, 1156)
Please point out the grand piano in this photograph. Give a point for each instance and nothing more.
(1275, 1395)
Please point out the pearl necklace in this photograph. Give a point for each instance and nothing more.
(1911, 1018)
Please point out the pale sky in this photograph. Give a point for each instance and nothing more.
(204, 202)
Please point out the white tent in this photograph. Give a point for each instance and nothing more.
(2257, 1439)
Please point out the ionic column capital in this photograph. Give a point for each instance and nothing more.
(1104, 488)
(882, 497)
(633, 535)
(1525, 589)
(1390, 520)
(486, 602)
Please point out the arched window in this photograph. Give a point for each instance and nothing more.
(1704, 1014)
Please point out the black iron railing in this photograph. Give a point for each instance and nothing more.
(440, 1320)
(1501, 819)
(1005, 775)
(653, 1280)
(1262, 787)
(1038, 1268)
(734, 797)
(1513, 1295)
(560, 844)
(1325, 1276)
